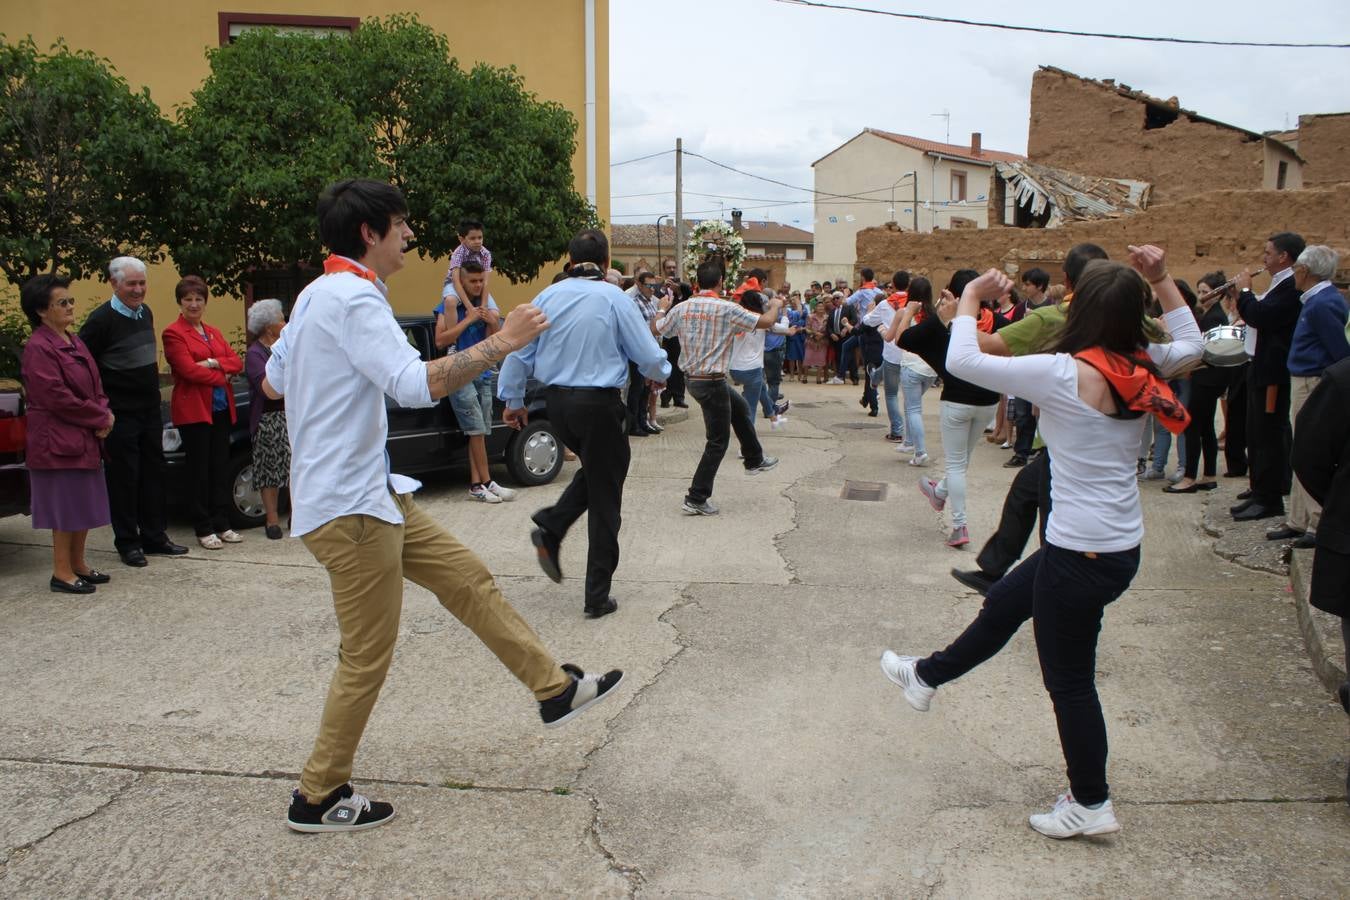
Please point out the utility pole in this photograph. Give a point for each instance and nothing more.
(679, 206)
(915, 173)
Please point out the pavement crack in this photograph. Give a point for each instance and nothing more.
(116, 795)
(631, 874)
(1235, 801)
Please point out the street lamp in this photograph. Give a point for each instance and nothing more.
(658, 241)
(915, 176)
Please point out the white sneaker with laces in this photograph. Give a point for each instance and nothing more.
(777, 424)
(900, 669)
(1069, 818)
(835, 380)
(904, 447)
(920, 459)
(483, 495)
(929, 488)
(506, 495)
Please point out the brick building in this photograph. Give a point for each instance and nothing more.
(1324, 141)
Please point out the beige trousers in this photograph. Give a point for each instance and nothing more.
(367, 560)
(1303, 510)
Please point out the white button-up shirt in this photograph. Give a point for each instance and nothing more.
(341, 354)
(1249, 341)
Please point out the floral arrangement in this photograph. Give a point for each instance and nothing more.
(714, 237)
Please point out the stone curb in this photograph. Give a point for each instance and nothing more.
(1318, 628)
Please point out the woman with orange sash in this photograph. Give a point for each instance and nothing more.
(1094, 392)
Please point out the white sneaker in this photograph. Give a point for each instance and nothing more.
(230, 536)
(777, 424)
(483, 495)
(835, 380)
(900, 669)
(904, 447)
(506, 495)
(920, 459)
(929, 488)
(210, 542)
(1070, 818)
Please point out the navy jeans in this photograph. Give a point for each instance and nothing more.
(1063, 592)
(847, 358)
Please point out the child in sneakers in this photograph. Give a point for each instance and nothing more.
(470, 248)
(475, 318)
(1090, 551)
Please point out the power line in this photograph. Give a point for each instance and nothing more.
(812, 191)
(1037, 30)
(640, 158)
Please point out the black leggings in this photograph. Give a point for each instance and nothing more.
(1063, 592)
(1200, 433)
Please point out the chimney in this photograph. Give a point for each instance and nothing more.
(736, 221)
(974, 143)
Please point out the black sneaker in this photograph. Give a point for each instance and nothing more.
(1017, 462)
(976, 580)
(581, 693)
(342, 810)
(765, 465)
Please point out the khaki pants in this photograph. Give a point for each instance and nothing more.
(1304, 512)
(367, 560)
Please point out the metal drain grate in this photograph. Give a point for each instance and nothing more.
(871, 491)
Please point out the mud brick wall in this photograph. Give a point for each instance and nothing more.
(1324, 141)
(1087, 128)
(1217, 230)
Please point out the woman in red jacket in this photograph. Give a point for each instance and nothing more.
(202, 409)
(68, 417)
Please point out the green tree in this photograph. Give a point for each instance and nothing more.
(82, 163)
(280, 116)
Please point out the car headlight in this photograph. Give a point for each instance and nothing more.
(172, 440)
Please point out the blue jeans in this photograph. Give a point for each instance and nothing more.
(890, 387)
(753, 390)
(913, 385)
(1162, 438)
(847, 360)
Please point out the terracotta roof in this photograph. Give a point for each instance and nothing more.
(756, 232)
(1172, 103)
(960, 151)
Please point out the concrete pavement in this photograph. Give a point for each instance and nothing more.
(154, 730)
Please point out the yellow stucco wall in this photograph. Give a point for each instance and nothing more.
(161, 45)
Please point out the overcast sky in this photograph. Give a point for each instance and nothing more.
(769, 88)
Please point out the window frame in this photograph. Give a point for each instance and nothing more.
(226, 19)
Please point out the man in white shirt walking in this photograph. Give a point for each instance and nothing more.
(342, 353)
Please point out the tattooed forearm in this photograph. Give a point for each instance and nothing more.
(450, 373)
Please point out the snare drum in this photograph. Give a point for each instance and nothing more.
(1224, 346)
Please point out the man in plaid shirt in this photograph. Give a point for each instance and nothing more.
(705, 325)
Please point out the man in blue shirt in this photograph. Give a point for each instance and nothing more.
(583, 360)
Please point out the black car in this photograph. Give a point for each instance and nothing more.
(420, 440)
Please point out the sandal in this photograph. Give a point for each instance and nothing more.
(210, 542)
(230, 536)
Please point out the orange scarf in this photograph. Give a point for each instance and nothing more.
(898, 299)
(867, 284)
(1138, 388)
(343, 264)
(985, 321)
(750, 284)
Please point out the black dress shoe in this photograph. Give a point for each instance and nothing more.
(1241, 506)
(78, 586)
(168, 549)
(547, 547)
(1283, 533)
(94, 576)
(681, 404)
(665, 403)
(872, 413)
(610, 605)
(1245, 495)
(1257, 511)
(1306, 541)
(654, 428)
(273, 532)
(976, 580)
(1234, 474)
(135, 558)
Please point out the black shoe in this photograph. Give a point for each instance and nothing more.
(1344, 694)
(94, 576)
(1241, 506)
(342, 810)
(1234, 474)
(547, 546)
(665, 403)
(1245, 495)
(1306, 541)
(165, 549)
(872, 413)
(273, 532)
(863, 401)
(135, 558)
(584, 691)
(976, 580)
(1017, 462)
(654, 428)
(610, 605)
(1258, 511)
(681, 404)
(78, 586)
(1282, 533)
(638, 432)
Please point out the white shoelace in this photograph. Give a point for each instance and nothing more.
(359, 802)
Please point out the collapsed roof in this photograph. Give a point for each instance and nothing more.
(1054, 197)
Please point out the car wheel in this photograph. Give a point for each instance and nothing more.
(535, 455)
(246, 507)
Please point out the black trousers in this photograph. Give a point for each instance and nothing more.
(638, 392)
(591, 422)
(1200, 432)
(1235, 436)
(870, 345)
(207, 447)
(675, 383)
(724, 410)
(1063, 592)
(135, 476)
(1028, 496)
(773, 372)
(1269, 437)
(1025, 423)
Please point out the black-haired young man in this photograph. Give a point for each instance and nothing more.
(340, 356)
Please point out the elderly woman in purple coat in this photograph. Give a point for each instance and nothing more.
(68, 418)
(267, 417)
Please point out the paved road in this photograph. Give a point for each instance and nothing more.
(153, 732)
